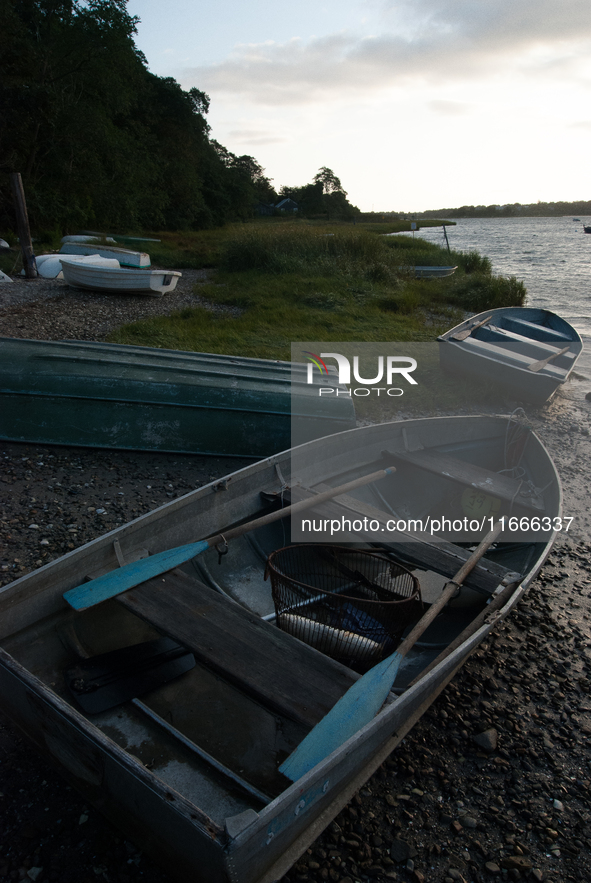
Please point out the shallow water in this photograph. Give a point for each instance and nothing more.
(552, 256)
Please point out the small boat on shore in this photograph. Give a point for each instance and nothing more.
(434, 272)
(49, 265)
(529, 351)
(141, 398)
(125, 256)
(190, 770)
(88, 239)
(98, 277)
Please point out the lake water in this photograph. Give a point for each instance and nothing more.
(552, 256)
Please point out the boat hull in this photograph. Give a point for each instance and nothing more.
(501, 350)
(139, 398)
(204, 828)
(434, 272)
(125, 256)
(153, 283)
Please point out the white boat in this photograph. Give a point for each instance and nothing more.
(125, 256)
(434, 272)
(153, 283)
(528, 351)
(87, 239)
(49, 265)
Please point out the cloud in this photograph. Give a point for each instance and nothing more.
(431, 41)
(449, 108)
(254, 136)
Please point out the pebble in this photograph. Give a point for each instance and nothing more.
(401, 851)
(487, 740)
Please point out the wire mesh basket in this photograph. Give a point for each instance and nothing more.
(351, 604)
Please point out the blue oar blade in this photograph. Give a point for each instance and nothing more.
(356, 708)
(117, 581)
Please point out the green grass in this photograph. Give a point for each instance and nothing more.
(300, 281)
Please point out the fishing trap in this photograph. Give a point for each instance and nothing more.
(350, 604)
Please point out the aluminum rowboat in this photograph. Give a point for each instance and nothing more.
(190, 770)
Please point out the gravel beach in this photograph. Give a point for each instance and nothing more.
(492, 783)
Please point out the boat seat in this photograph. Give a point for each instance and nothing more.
(510, 356)
(426, 551)
(497, 334)
(510, 490)
(282, 673)
(533, 330)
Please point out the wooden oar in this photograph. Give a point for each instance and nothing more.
(117, 581)
(360, 704)
(462, 335)
(537, 366)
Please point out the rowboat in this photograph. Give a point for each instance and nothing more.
(50, 267)
(84, 238)
(189, 769)
(434, 272)
(125, 256)
(529, 351)
(142, 398)
(153, 283)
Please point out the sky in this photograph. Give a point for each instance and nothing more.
(414, 104)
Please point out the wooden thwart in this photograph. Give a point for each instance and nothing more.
(427, 551)
(280, 672)
(495, 484)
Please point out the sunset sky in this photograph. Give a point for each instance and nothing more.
(414, 104)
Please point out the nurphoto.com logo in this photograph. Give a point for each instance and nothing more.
(388, 370)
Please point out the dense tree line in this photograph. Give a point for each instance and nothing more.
(99, 140)
(514, 210)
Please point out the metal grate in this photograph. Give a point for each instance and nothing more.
(351, 604)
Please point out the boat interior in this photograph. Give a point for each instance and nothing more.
(522, 337)
(218, 732)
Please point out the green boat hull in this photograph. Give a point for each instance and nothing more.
(139, 398)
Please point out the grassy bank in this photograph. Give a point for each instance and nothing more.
(297, 281)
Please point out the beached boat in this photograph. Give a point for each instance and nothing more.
(434, 272)
(125, 256)
(189, 770)
(50, 267)
(84, 238)
(142, 398)
(96, 277)
(529, 351)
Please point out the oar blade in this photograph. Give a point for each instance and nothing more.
(354, 710)
(117, 581)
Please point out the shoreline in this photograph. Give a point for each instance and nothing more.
(441, 808)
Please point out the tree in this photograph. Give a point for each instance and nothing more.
(99, 139)
(325, 196)
(330, 182)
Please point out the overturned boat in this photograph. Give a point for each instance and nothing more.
(189, 768)
(142, 398)
(126, 257)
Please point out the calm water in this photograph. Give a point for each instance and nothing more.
(552, 256)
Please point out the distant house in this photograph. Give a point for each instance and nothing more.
(287, 205)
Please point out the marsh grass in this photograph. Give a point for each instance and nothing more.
(295, 280)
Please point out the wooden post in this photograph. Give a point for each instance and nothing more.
(446, 239)
(22, 223)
